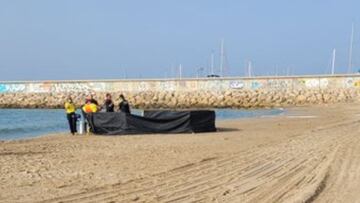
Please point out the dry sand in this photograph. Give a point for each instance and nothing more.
(311, 155)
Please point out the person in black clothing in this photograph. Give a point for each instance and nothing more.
(124, 105)
(108, 104)
(92, 100)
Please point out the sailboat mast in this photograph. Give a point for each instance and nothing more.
(351, 48)
(180, 71)
(249, 68)
(212, 59)
(222, 58)
(333, 62)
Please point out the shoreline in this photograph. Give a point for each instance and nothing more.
(261, 152)
(222, 115)
(286, 113)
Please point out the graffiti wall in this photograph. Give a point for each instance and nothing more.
(43, 87)
(239, 84)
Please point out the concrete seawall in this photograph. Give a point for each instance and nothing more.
(188, 93)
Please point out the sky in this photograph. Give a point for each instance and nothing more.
(115, 39)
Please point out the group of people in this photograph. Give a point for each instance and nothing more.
(92, 106)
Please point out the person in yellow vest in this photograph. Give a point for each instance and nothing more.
(90, 107)
(70, 114)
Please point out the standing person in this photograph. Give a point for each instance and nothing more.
(94, 101)
(87, 109)
(90, 97)
(124, 105)
(70, 114)
(108, 103)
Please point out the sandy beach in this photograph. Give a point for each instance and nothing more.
(312, 154)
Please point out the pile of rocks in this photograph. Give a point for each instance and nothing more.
(186, 99)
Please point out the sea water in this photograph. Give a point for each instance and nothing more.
(28, 123)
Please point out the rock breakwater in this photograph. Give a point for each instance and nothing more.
(190, 99)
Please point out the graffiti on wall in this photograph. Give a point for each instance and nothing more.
(236, 84)
(324, 83)
(167, 86)
(210, 85)
(312, 83)
(182, 85)
(12, 88)
(246, 84)
(254, 85)
(133, 86)
(348, 82)
(279, 84)
(192, 85)
(351, 82)
(76, 87)
(39, 87)
(52, 87)
(357, 83)
(143, 86)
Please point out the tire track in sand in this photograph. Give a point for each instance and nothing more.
(291, 170)
(344, 174)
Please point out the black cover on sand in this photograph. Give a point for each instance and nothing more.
(152, 122)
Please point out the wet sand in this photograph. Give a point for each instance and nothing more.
(312, 154)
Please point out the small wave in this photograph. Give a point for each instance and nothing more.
(12, 130)
(8, 131)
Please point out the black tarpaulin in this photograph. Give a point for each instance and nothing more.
(153, 122)
(200, 121)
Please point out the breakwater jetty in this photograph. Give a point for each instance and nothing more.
(237, 92)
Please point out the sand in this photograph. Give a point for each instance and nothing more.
(310, 155)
